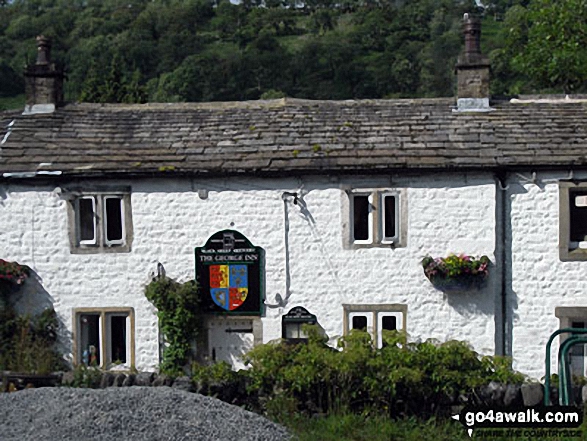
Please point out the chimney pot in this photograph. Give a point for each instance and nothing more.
(472, 27)
(472, 70)
(43, 82)
(43, 50)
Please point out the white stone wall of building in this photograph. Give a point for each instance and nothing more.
(538, 280)
(451, 213)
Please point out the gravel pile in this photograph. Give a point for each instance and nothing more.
(133, 413)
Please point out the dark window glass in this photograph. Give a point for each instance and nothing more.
(578, 218)
(389, 210)
(86, 219)
(118, 339)
(359, 322)
(361, 217)
(90, 339)
(114, 219)
(388, 323)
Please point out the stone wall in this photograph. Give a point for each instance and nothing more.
(446, 213)
(538, 281)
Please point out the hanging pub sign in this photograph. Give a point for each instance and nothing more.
(230, 272)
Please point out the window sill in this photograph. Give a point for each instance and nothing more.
(392, 245)
(95, 249)
(573, 254)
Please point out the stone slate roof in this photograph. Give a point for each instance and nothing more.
(292, 136)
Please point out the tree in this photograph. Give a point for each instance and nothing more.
(10, 82)
(112, 85)
(550, 40)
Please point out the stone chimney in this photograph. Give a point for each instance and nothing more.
(43, 82)
(472, 71)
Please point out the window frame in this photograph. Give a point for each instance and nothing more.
(374, 314)
(105, 335)
(569, 250)
(115, 242)
(376, 219)
(78, 222)
(395, 238)
(567, 315)
(100, 243)
(370, 217)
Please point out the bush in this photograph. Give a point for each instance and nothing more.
(83, 376)
(400, 378)
(220, 381)
(27, 344)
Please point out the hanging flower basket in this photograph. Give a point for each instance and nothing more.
(456, 273)
(12, 275)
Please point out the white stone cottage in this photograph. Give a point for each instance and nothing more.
(344, 198)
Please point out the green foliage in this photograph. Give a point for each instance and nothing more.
(400, 378)
(178, 311)
(553, 36)
(112, 86)
(12, 83)
(199, 50)
(87, 377)
(15, 102)
(352, 427)
(215, 373)
(13, 273)
(27, 344)
(454, 266)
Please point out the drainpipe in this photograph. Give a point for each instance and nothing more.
(501, 205)
(281, 302)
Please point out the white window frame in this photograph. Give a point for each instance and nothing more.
(121, 241)
(105, 336)
(370, 216)
(395, 238)
(375, 314)
(78, 221)
(367, 314)
(376, 218)
(100, 243)
(399, 318)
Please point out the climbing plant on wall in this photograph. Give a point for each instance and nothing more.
(178, 311)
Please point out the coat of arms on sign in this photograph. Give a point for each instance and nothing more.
(230, 273)
(229, 285)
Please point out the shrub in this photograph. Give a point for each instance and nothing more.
(27, 344)
(400, 378)
(31, 347)
(84, 376)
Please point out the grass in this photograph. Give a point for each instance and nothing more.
(349, 427)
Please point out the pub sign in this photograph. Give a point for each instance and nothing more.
(230, 272)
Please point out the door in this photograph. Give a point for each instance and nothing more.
(229, 339)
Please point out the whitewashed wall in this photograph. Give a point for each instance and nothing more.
(539, 281)
(451, 213)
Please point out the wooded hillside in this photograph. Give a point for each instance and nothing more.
(208, 50)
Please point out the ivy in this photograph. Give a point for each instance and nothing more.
(178, 312)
